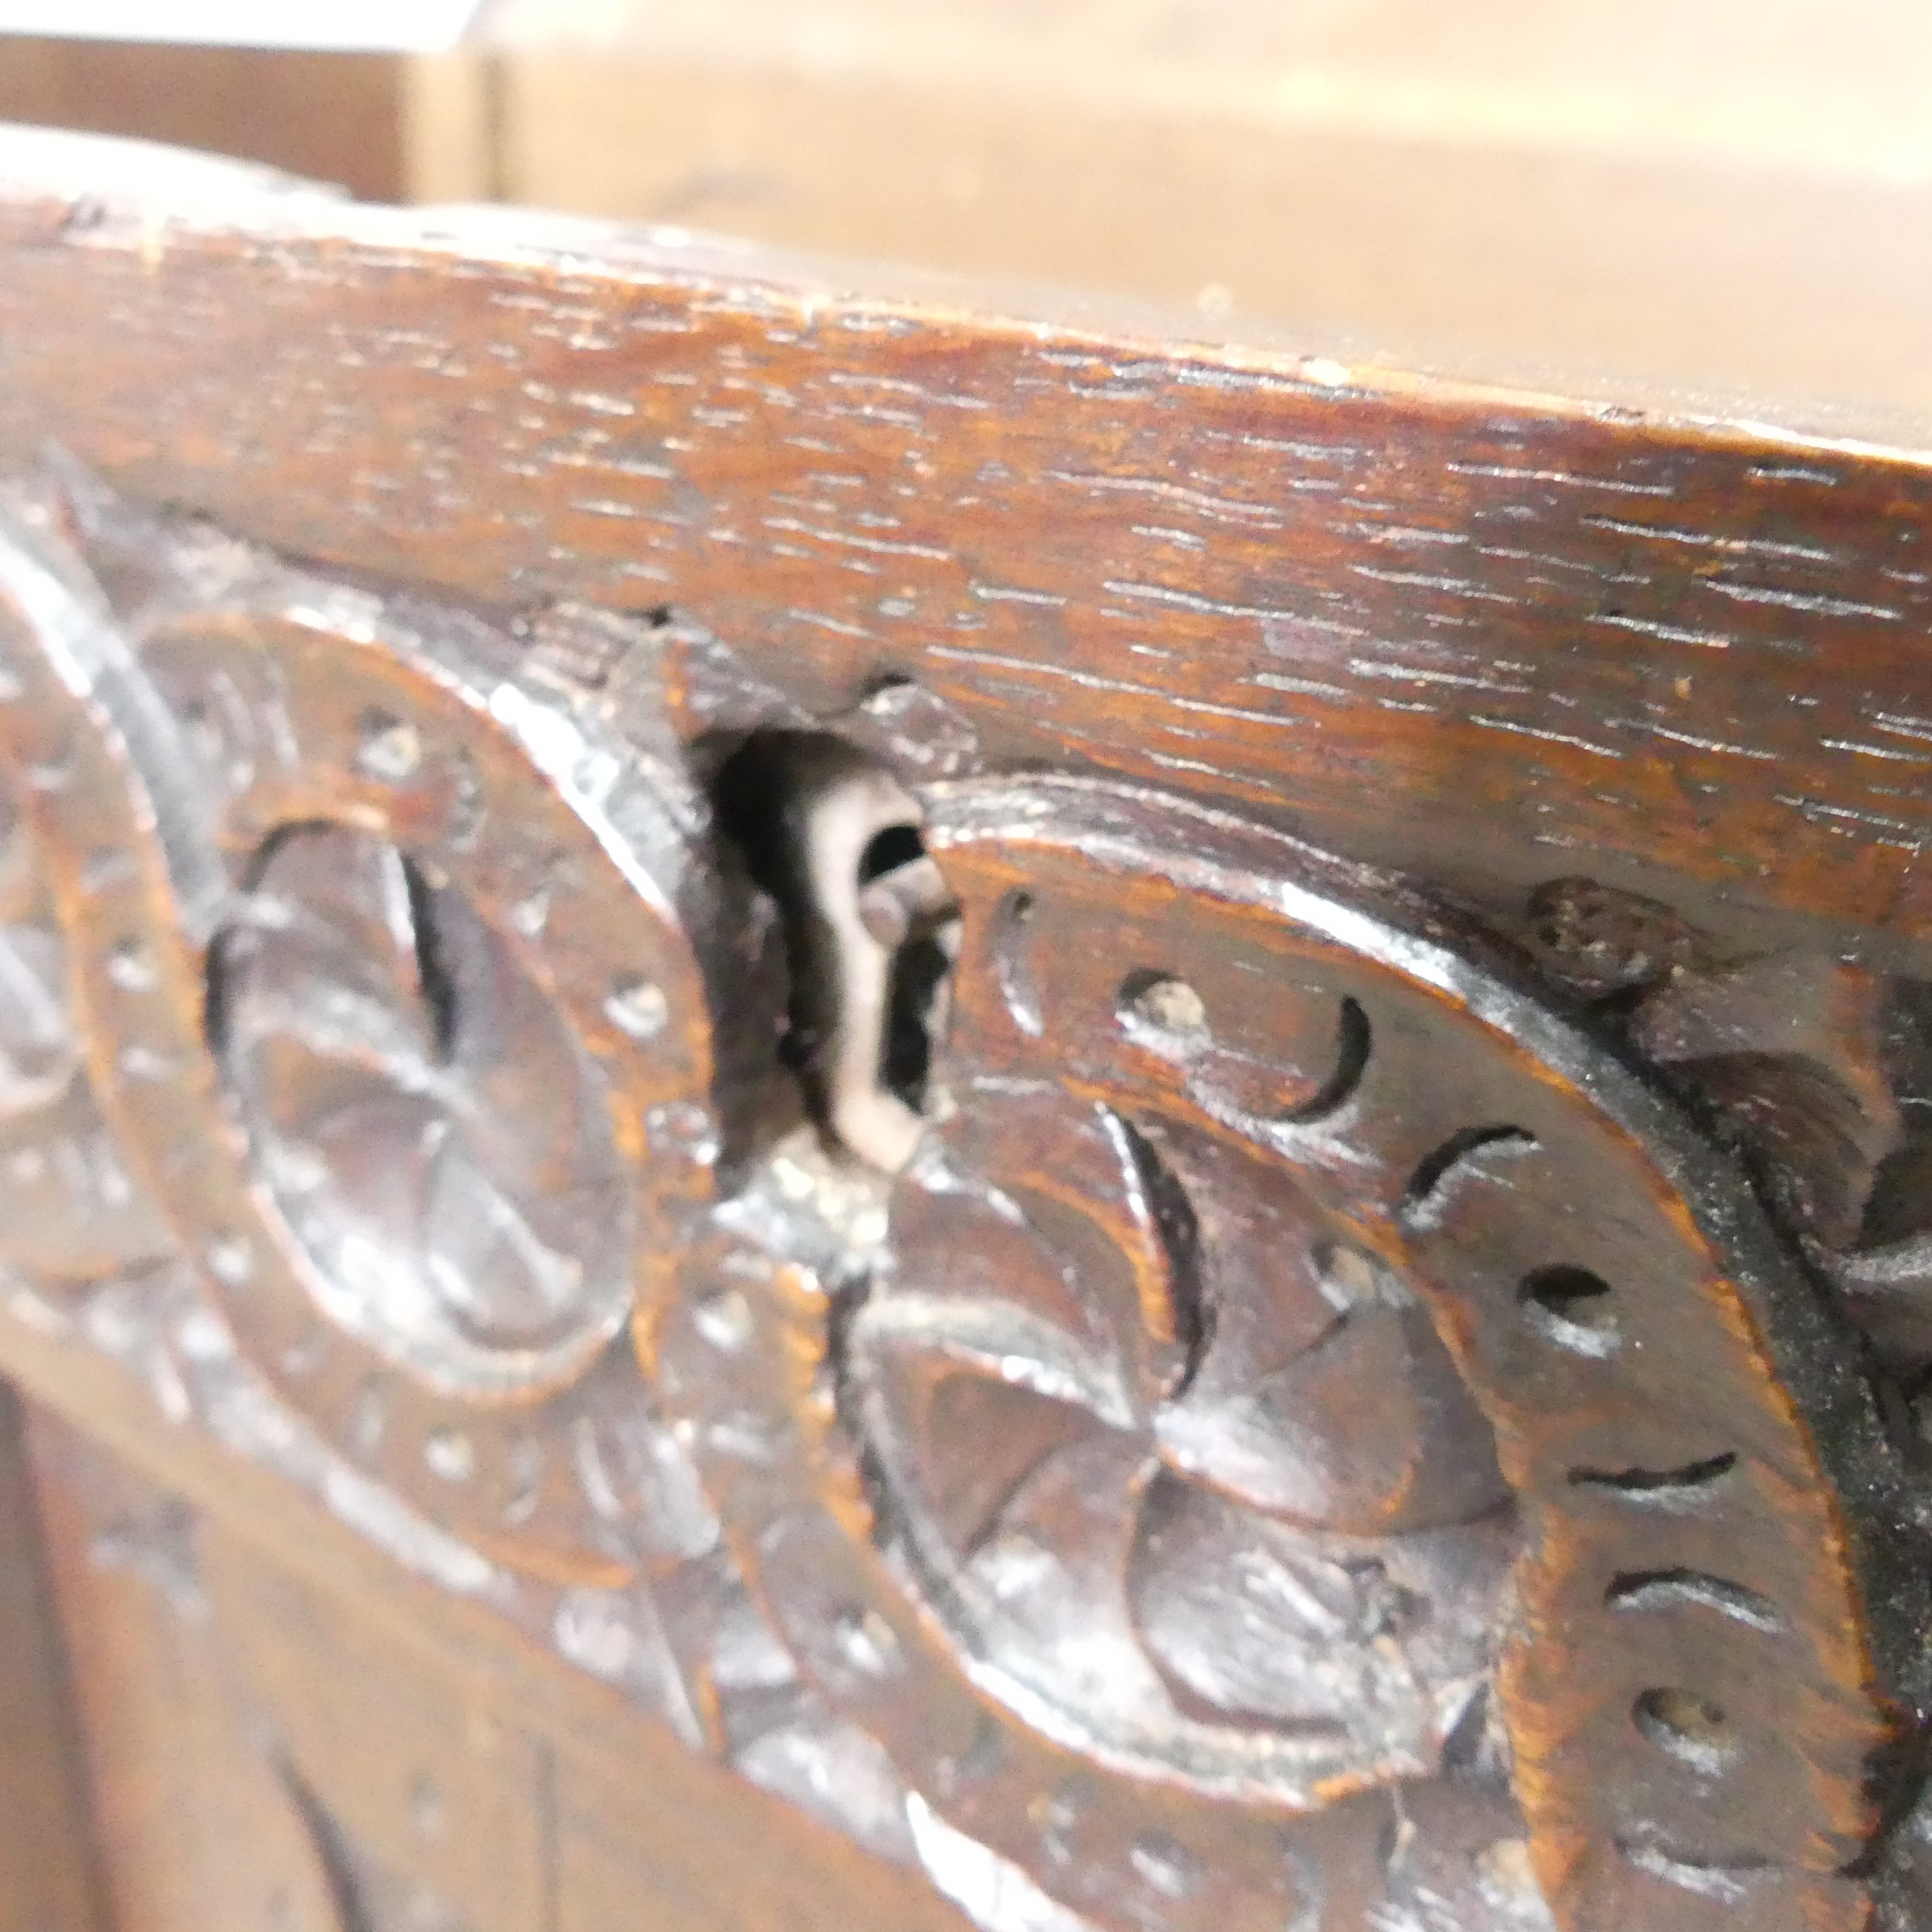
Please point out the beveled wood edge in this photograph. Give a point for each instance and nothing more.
(159, 191)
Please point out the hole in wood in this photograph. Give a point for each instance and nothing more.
(1574, 1308)
(1691, 1729)
(871, 929)
(1165, 1006)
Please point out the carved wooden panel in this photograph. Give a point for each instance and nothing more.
(1097, 1133)
(1159, 1376)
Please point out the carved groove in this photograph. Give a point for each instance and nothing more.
(1014, 916)
(1426, 1198)
(1670, 1489)
(1354, 1040)
(1733, 1883)
(1688, 1589)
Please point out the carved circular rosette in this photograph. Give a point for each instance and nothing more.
(1284, 1301)
(381, 954)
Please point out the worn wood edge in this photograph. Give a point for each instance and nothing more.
(150, 198)
(112, 407)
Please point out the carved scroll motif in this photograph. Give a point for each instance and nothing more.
(1251, 1419)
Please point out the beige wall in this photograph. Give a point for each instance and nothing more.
(335, 116)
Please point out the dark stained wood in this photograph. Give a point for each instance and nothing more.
(196, 1826)
(48, 1876)
(1478, 633)
(1564, 1309)
(1117, 1360)
(262, 1733)
(1216, 1222)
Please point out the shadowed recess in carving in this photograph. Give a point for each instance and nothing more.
(871, 931)
(1353, 1043)
(470, 1227)
(1179, 1316)
(1664, 1590)
(1693, 1729)
(898, 885)
(332, 1853)
(1463, 1156)
(1729, 1882)
(1574, 1308)
(1012, 919)
(1672, 1492)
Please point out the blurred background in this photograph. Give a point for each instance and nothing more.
(1734, 195)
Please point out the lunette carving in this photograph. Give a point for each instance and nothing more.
(619, 1567)
(406, 963)
(1109, 1231)
(306, 1037)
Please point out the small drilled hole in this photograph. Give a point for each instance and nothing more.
(1164, 1005)
(1693, 1730)
(389, 749)
(1574, 1308)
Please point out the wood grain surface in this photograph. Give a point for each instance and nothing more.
(1151, 1118)
(1480, 633)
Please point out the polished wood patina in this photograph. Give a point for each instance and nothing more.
(820, 1110)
